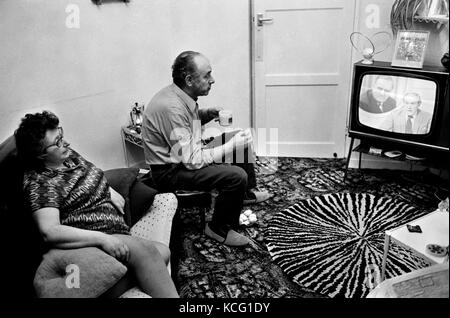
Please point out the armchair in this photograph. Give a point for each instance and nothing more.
(148, 213)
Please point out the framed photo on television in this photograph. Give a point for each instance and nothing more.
(410, 48)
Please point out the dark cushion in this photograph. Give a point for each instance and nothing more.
(141, 198)
(138, 196)
(122, 180)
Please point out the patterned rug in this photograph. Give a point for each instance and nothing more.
(207, 269)
(334, 243)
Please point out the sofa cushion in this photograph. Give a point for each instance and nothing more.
(122, 180)
(57, 275)
(138, 196)
(141, 198)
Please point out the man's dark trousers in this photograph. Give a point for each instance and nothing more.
(229, 180)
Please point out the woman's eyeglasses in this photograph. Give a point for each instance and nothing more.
(59, 142)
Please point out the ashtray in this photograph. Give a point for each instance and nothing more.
(437, 250)
(393, 154)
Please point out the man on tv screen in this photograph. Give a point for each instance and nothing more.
(378, 99)
(410, 119)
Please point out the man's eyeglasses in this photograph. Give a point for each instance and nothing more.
(59, 142)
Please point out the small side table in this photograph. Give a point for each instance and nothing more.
(434, 231)
(133, 149)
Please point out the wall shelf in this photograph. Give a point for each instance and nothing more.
(407, 155)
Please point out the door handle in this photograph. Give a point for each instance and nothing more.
(260, 19)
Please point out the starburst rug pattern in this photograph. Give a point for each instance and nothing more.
(333, 243)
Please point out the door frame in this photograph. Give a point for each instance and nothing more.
(252, 65)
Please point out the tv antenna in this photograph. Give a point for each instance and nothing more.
(367, 46)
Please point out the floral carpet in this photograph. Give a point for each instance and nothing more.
(207, 269)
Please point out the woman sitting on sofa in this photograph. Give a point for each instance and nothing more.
(74, 206)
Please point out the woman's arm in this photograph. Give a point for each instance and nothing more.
(63, 236)
(68, 237)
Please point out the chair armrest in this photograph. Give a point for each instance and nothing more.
(156, 224)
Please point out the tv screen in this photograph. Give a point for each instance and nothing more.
(400, 108)
(398, 104)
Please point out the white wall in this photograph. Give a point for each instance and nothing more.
(91, 76)
(220, 30)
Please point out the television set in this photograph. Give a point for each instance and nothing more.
(401, 109)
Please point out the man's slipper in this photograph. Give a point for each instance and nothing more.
(233, 238)
(259, 196)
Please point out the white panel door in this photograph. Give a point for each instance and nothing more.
(302, 73)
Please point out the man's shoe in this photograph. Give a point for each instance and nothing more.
(233, 238)
(257, 197)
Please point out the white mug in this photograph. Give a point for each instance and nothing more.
(225, 118)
